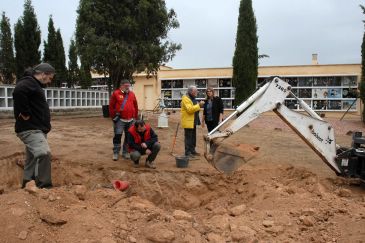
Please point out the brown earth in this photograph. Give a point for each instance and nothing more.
(285, 194)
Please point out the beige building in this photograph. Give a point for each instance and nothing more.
(326, 88)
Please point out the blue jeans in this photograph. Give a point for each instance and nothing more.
(119, 127)
(38, 158)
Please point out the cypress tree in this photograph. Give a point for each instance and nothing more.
(73, 67)
(32, 35)
(85, 75)
(245, 60)
(49, 54)
(54, 53)
(19, 43)
(7, 61)
(362, 81)
(27, 39)
(60, 62)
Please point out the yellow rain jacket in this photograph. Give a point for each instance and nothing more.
(187, 112)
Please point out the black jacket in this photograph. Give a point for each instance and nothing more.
(29, 100)
(217, 108)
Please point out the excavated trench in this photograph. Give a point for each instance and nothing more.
(185, 190)
(167, 189)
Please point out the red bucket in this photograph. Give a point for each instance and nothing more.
(120, 185)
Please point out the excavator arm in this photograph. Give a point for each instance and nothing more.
(314, 131)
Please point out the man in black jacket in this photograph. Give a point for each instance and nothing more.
(33, 122)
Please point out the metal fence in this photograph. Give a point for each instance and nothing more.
(60, 98)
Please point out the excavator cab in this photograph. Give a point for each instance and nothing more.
(352, 160)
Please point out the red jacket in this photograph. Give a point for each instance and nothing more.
(135, 139)
(130, 108)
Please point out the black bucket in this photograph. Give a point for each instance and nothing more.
(105, 110)
(182, 161)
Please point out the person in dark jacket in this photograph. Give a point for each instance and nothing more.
(213, 110)
(143, 140)
(123, 110)
(33, 122)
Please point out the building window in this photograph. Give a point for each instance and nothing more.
(330, 93)
(173, 90)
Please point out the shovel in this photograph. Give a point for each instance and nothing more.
(174, 140)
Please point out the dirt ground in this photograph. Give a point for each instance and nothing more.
(285, 194)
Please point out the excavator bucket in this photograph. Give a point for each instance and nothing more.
(227, 158)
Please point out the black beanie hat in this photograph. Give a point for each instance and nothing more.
(44, 68)
(125, 81)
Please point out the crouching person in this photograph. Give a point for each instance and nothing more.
(143, 140)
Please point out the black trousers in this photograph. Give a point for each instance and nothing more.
(190, 140)
(211, 125)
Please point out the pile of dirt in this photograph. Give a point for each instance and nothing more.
(282, 195)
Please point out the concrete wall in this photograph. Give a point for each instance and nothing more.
(144, 100)
(307, 70)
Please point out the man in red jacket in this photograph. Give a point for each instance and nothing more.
(123, 109)
(143, 140)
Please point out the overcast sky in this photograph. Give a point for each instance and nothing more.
(289, 30)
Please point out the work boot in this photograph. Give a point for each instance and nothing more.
(150, 164)
(192, 157)
(195, 153)
(115, 156)
(126, 156)
(24, 183)
(136, 164)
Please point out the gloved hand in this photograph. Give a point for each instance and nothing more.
(116, 117)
